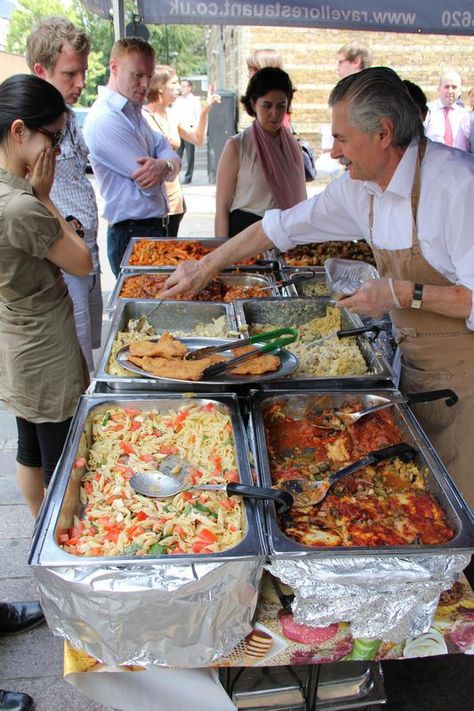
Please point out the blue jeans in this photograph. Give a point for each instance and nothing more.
(120, 234)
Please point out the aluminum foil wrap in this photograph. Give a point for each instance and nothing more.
(390, 598)
(183, 615)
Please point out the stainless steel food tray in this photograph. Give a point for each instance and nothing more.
(63, 500)
(294, 312)
(283, 260)
(312, 287)
(439, 483)
(169, 316)
(239, 278)
(268, 259)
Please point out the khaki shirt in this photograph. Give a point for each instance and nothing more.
(42, 370)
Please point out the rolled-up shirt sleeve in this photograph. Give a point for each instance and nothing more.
(324, 217)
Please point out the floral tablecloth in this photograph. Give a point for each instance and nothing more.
(278, 640)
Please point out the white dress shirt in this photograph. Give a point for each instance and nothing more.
(459, 119)
(187, 109)
(445, 213)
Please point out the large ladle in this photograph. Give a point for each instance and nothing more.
(170, 480)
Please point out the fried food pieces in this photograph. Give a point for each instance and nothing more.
(167, 347)
(176, 369)
(165, 358)
(265, 363)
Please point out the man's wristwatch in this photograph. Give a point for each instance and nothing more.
(417, 297)
(169, 167)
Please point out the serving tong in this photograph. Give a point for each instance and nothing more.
(314, 492)
(276, 339)
(345, 332)
(291, 281)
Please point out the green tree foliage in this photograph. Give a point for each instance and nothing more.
(183, 46)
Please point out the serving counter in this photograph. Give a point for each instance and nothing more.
(143, 615)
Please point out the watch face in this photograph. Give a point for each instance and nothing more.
(417, 298)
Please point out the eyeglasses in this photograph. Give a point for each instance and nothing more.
(55, 136)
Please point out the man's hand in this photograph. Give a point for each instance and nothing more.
(151, 172)
(41, 175)
(188, 278)
(374, 298)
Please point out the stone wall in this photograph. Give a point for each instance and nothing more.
(309, 56)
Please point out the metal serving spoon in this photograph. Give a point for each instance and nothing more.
(349, 418)
(170, 480)
(312, 493)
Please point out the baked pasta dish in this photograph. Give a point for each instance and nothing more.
(150, 286)
(164, 253)
(383, 505)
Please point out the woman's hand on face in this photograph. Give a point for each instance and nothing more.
(41, 175)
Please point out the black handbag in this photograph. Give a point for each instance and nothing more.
(310, 171)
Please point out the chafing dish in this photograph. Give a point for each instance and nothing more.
(168, 610)
(173, 316)
(63, 500)
(316, 253)
(316, 286)
(242, 277)
(266, 259)
(439, 483)
(297, 311)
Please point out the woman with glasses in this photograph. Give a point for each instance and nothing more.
(42, 369)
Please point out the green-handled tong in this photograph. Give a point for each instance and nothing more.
(277, 338)
(268, 336)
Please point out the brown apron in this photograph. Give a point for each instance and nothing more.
(437, 352)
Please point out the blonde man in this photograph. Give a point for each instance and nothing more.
(130, 161)
(58, 51)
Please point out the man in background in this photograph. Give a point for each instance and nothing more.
(58, 52)
(131, 162)
(187, 108)
(352, 58)
(447, 122)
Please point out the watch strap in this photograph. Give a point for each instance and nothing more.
(417, 297)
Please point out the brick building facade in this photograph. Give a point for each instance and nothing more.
(309, 56)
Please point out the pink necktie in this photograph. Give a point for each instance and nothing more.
(448, 129)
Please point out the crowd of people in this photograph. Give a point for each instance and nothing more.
(393, 144)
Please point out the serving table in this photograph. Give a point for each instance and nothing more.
(268, 646)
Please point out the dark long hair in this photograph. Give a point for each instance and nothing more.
(263, 81)
(35, 101)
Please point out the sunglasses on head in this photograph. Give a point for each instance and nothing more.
(55, 136)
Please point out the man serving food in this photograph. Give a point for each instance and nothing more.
(413, 201)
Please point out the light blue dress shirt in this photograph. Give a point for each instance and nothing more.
(117, 135)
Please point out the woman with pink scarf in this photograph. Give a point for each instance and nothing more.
(262, 166)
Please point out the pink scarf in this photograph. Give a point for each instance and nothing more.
(283, 167)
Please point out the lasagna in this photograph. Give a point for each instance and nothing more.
(383, 505)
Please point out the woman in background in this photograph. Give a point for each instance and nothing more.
(262, 166)
(260, 58)
(42, 369)
(163, 92)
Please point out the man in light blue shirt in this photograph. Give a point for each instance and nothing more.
(130, 161)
